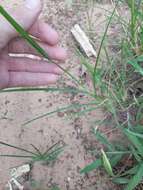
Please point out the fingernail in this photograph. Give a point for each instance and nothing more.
(32, 4)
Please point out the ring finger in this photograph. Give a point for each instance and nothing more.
(21, 46)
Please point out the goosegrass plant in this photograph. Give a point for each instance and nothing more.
(130, 176)
(117, 158)
(35, 155)
(112, 89)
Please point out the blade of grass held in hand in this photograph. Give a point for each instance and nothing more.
(30, 40)
(49, 89)
(22, 32)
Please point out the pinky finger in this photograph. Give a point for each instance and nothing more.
(25, 79)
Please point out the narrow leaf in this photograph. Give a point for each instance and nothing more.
(115, 159)
(106, 163)
(120, 180)
(136, 66)
(18, 148)
(94, 165)
(137, 178)
(58, 110)
(16, 156)
(136, 142)
(140, 135)
(131, 171)
(103, 139)
(50, 89)
(136, 154)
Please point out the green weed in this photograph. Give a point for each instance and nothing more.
(48, 156)
(114, 156)
(116, 89)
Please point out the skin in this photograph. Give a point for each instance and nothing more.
(21, 72)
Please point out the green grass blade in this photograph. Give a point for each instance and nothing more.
(118, 152)
(139, 129)
(139, 115)
(91, 108)
(58, 110)
(137, 178)
(133, 21)
(16, 156)
(135, 141)
(37, 150)
(136, 66)
(106, 163)
(49, 156)
(140, 135)
(131, 171)
(94, 165)
(102, 42)
(47, 114)
(103, 139)
(18, 148)
(115, 159)
(30, 40)
(49, 89)
(135, 153)
(51, 148)
(53, 155)
(120, 180)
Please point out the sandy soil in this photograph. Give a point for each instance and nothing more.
(17, 108)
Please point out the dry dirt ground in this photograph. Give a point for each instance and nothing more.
(16, 108)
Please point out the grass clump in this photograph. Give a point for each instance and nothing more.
(121, 87)
(36, 155)
(123, 164)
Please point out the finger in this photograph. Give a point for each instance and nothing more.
(32, 65)
(23, 79)
(3, 75)
(25, 15)
(44, 32)
(21, 46)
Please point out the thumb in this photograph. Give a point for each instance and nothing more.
(25, 15)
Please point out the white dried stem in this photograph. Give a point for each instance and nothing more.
(83, 41)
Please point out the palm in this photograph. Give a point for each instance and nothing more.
(22, 71)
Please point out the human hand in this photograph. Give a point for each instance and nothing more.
(20, 72)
